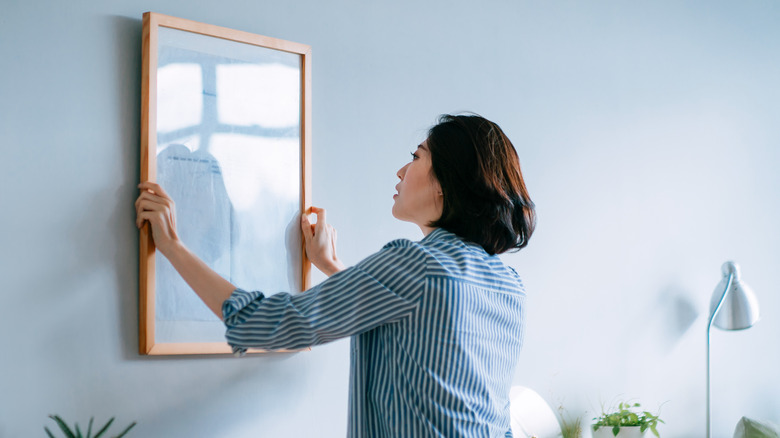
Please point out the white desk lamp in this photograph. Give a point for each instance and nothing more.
(733, 307)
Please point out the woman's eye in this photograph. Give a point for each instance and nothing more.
(414, 156)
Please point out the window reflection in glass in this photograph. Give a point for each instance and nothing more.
(266, 95)
(179, 96)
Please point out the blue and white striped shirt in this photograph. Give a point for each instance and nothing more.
(436, 328)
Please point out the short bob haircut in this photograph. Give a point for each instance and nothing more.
(485, 200)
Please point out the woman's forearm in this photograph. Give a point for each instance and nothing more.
(210, 286)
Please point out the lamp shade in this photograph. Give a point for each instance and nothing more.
(740, 306)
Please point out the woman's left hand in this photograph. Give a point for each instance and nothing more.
(320, 240)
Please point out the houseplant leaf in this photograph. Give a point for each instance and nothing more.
(103, 430)
(64, 427)
(126, 430)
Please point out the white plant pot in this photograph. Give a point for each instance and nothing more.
(625, 432)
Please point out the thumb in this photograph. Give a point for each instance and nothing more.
(321, 218)
(306, 227)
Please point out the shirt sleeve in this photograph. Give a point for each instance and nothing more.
(382, 288)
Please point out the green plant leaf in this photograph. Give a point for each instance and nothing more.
(64, 427)
(126, 430)
(89, 429)
(627, 414)
(48, 432)
(103, 430)
(78, 432)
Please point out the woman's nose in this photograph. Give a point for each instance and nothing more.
(402, 171)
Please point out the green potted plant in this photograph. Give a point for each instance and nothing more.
(628, 421)
(76, 431)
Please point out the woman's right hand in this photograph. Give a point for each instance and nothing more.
(320, 240)
(156, 207)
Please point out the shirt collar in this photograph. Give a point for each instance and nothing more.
(436, 234)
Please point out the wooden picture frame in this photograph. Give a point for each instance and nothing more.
(226, 131)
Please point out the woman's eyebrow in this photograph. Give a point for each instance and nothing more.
(422, 146)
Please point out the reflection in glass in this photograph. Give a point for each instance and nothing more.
(228, 136)
(179, 99)
(258, 94)
(194, 181)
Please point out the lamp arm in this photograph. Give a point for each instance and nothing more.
(709, 326)
(720, 303)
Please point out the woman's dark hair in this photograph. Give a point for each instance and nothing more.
(485, 199)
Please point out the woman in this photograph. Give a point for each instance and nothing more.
(436, 325)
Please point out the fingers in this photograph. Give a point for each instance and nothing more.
(149, 202)
(151, 197)
(321, 215)
(319, 230)
(154, 217)
(320, 242)
(152, 192)
(149, 206)
(321, 219)
(306, 227)
(154, 187)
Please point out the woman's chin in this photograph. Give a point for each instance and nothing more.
(395, 211)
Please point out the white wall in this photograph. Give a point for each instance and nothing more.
(647, 133)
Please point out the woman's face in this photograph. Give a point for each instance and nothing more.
(419, 198)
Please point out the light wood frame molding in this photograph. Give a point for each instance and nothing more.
(151, 24)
